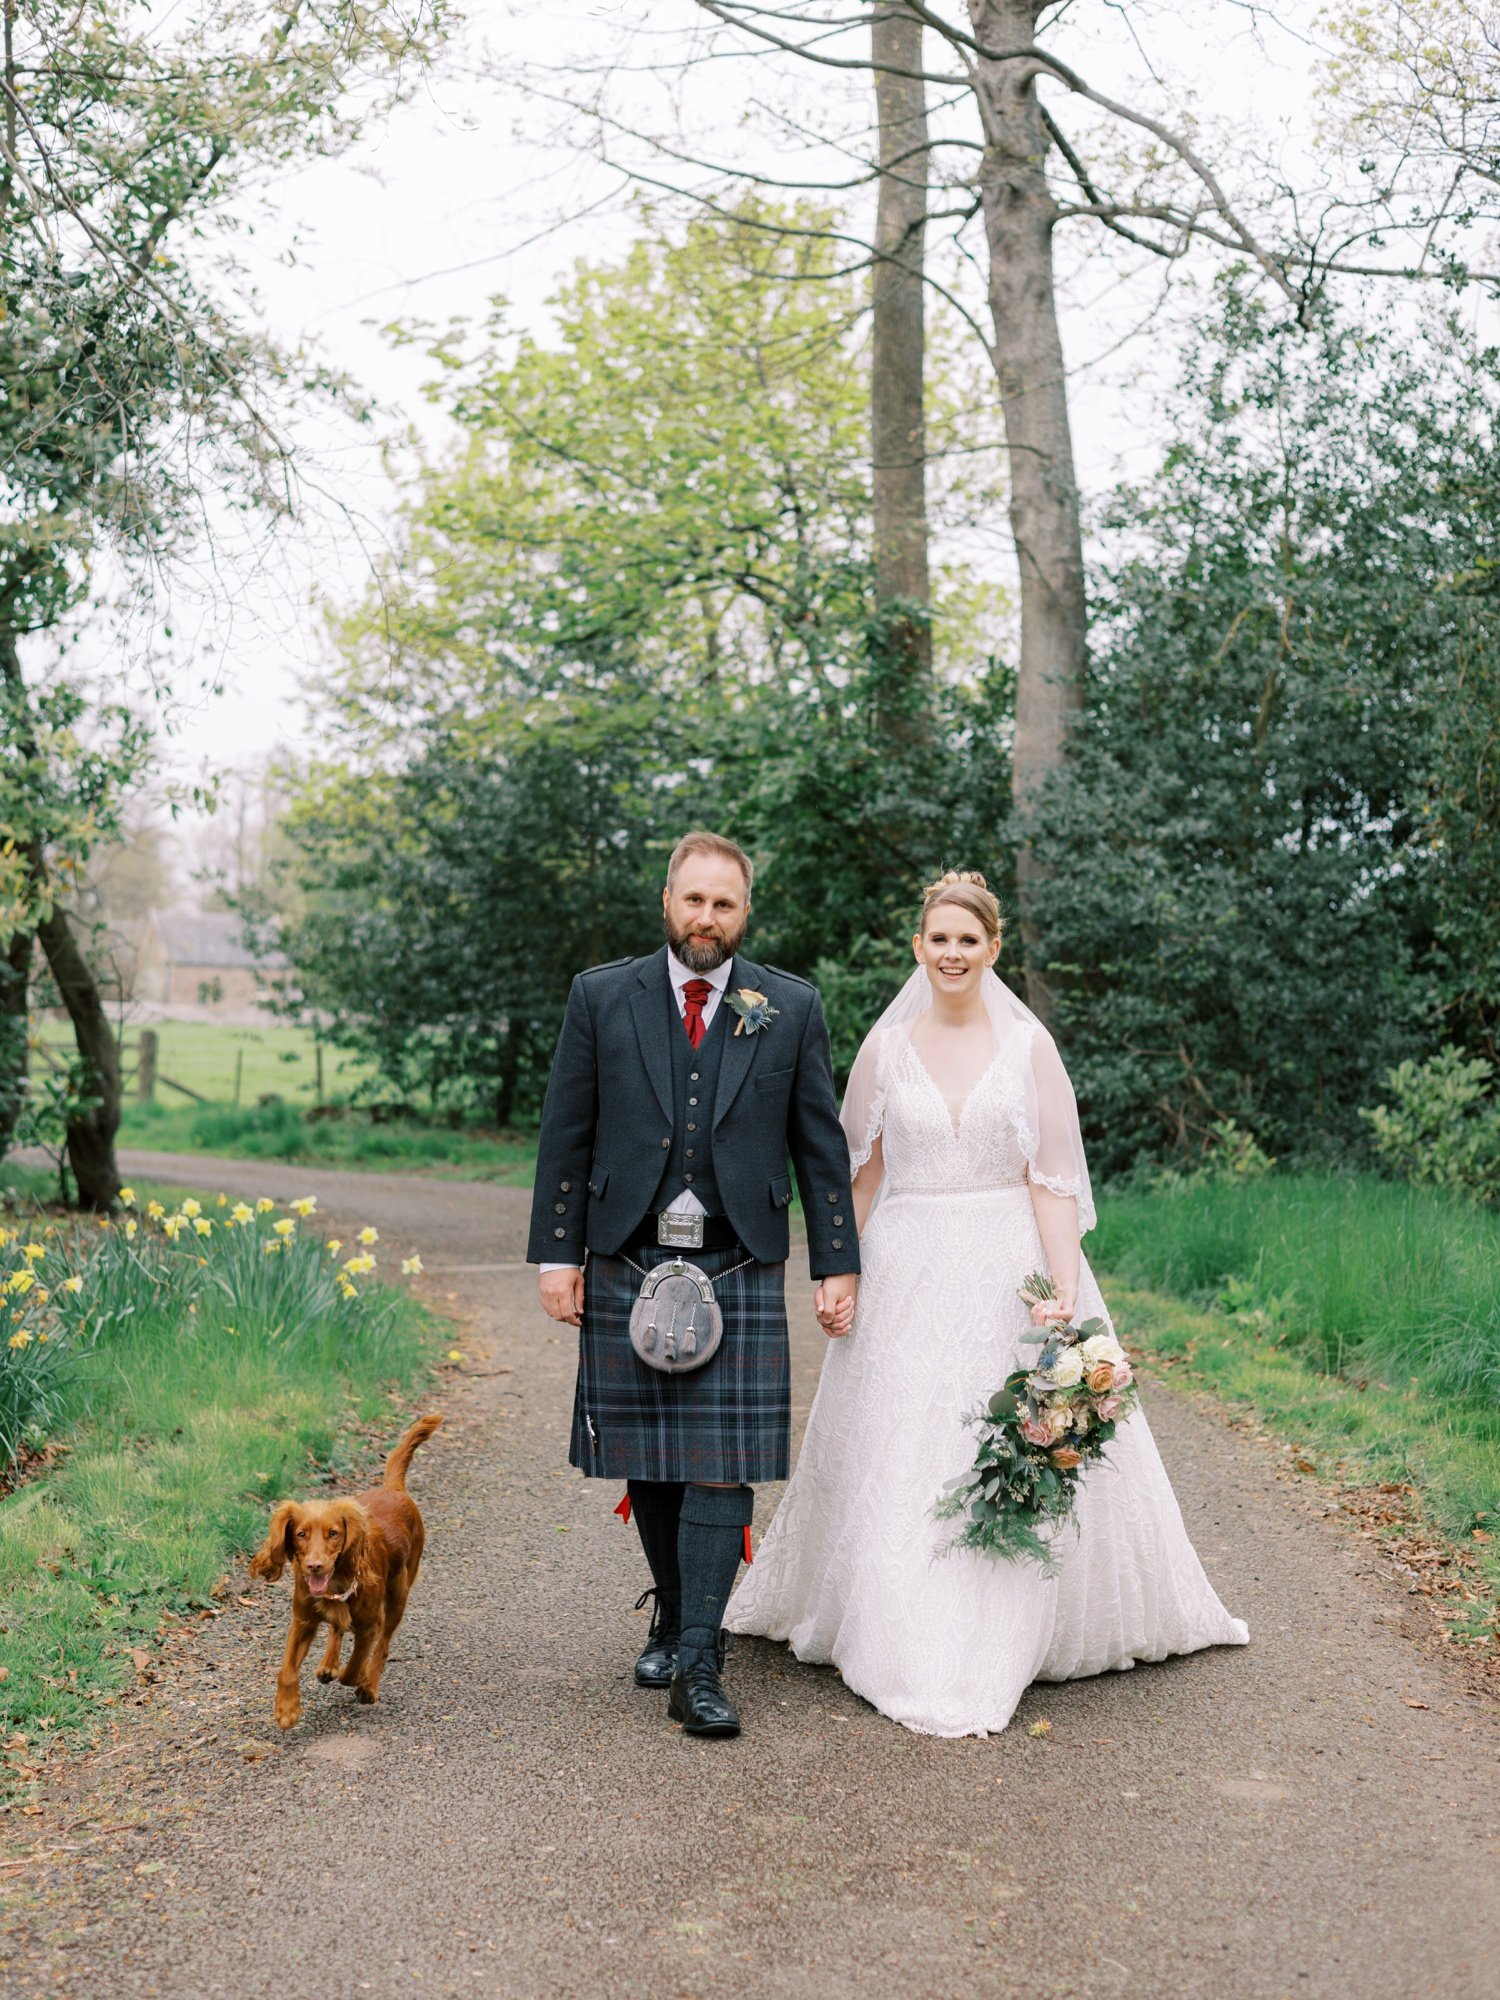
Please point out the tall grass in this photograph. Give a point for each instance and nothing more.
(1365, 1277)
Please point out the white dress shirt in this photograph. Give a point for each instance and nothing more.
(687, 1203)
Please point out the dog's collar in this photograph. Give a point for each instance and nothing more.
(335, 1596)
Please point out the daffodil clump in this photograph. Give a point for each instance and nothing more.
(239, 1271)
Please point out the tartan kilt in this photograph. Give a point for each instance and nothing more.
(727, 1423)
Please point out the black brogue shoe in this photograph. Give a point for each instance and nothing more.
(655, 1666)
(697, 1699)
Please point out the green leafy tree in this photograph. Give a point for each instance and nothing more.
(129, 148)
(638, 596)
(1247, 908)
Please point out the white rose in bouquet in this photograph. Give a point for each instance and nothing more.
(1100, 1347)
(1067, 1369)
(1058, 1421)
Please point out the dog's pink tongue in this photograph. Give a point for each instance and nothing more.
(318, 1584)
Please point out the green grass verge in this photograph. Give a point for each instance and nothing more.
(1444, 1458)
(192, 1411)
(353, 1139)
(1358, 1319)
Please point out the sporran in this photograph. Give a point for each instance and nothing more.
(676, 1324)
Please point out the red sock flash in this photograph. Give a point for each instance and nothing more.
(748, 1557)
(623, 1510)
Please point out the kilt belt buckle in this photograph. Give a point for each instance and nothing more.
(676, 1323)
(679, 1232)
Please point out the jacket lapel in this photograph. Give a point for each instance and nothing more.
(651, 1004)
(739, 1050)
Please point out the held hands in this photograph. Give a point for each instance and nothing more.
(833, 1302)
(562, 1296)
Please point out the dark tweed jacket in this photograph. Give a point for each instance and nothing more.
(608, 1119)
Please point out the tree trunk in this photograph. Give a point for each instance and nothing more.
(15, 1051)
(92, 1128)
(91, 1132)
(898, 435)
(1044, 509)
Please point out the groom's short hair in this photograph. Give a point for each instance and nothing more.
(710, 843)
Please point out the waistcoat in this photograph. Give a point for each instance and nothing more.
(695, 1074)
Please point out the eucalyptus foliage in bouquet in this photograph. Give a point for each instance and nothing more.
(1038, 1435)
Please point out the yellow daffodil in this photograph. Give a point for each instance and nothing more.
(286, 1227)
(272, 1247)
(42, 1295)
(174, 1226)
(130, 1228)
(21, 1281)
(21, 1339)
(231, 1329)
(5, 1237)
(334, 1246)
(221, 1201)
(155, 1210)
(264, 1205)
(42, 1339)
(357, 1266)
(410, 1266)
(192, 1209)
(32, 1251)
(73, 1284)
(369, 1235)
(127, 1196)
(348, 1290)
(203, 1226)
(242, 1212)
(306, 1205)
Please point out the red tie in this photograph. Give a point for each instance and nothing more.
(694, 993)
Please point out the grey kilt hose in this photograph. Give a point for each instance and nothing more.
(727, 1423)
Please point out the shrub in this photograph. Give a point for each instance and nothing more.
(1442, 1128)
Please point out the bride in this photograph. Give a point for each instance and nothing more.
(969, 1175)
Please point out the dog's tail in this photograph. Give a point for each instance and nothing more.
(399, 1463)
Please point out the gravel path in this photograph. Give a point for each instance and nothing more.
(1313, 1815)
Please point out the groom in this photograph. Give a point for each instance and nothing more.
(680, 1084)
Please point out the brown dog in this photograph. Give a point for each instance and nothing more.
(354, 1561)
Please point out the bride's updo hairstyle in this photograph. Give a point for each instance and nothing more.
(968, 890)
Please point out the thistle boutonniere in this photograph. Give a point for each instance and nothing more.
(754, 1009)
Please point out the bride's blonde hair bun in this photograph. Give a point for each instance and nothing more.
(966, 888)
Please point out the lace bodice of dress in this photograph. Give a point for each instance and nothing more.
(926, 1150)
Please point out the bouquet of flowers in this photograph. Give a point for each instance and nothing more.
(1038, 1435)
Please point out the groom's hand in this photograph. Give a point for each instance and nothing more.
(833, 1302)
(562, 1296)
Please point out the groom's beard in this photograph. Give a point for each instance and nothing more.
(699, 956)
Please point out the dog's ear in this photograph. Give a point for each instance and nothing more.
(356, 1526)
(276, 1551)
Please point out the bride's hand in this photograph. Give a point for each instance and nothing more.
(1047, 1310)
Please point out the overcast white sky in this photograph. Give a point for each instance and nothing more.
(458, 195)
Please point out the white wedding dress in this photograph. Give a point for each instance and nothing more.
(853, 1568)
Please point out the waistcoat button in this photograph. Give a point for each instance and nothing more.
(560, 1208)
(559, 1232)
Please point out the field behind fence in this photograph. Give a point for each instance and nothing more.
(220, 1063)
